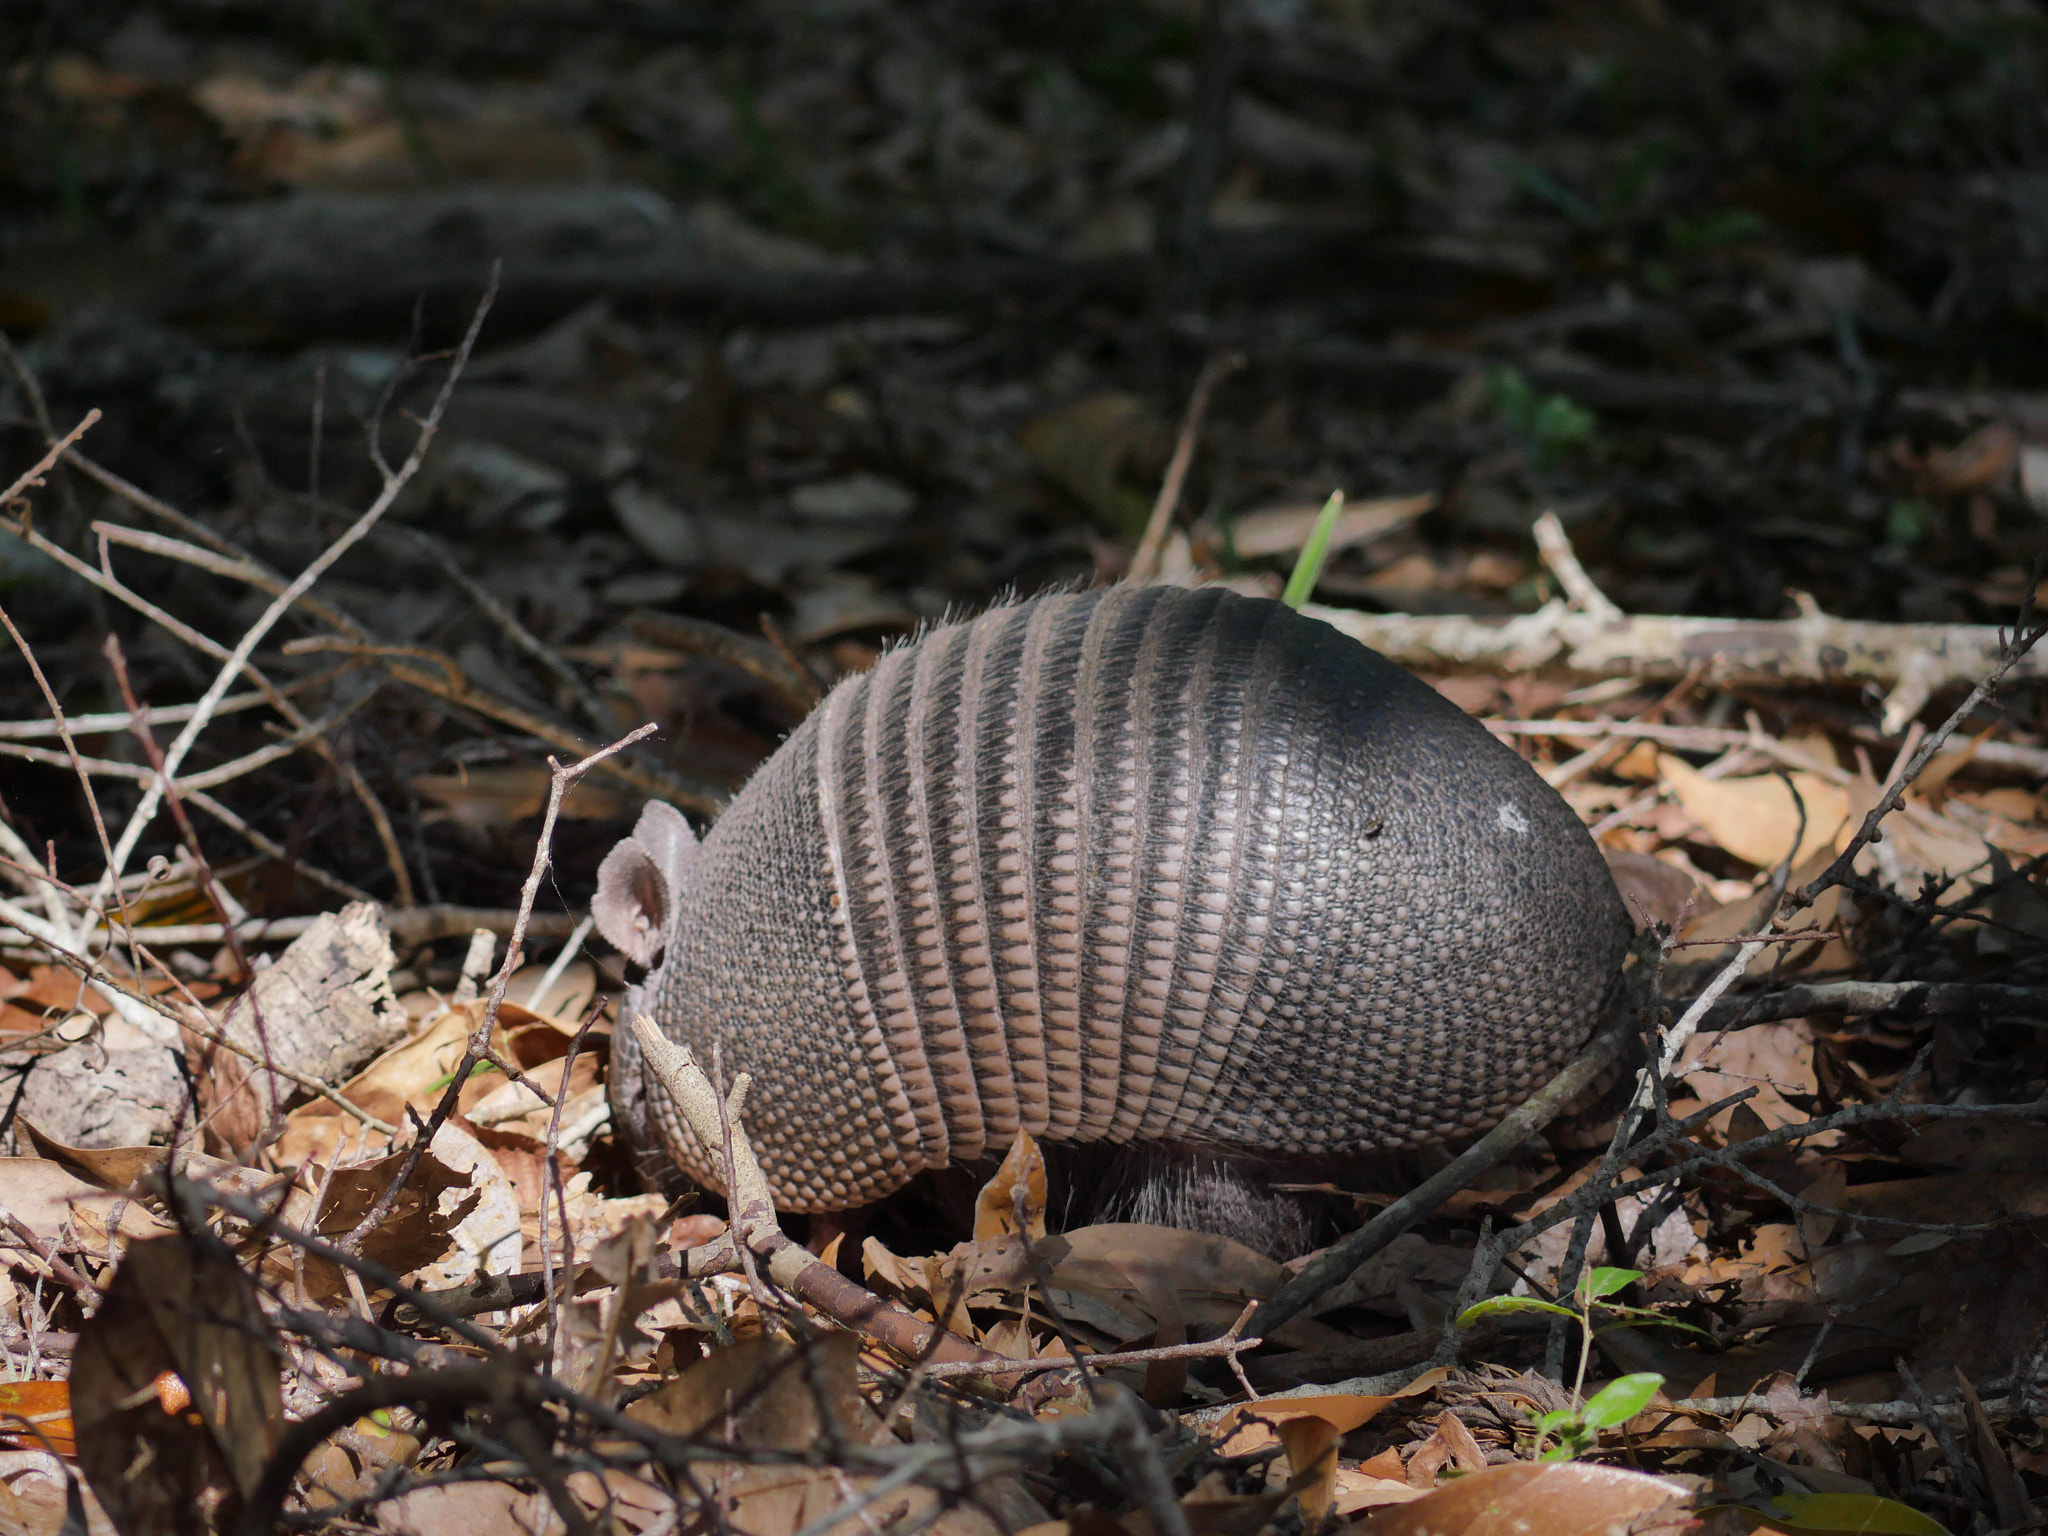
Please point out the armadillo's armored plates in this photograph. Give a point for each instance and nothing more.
(1139, 864)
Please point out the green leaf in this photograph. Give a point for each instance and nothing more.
(1605, 1281)
(1309, 567)
(1908, 519)
(1845, 1512)
(1500, 1306)
(1621, 1399)
(1545, 425)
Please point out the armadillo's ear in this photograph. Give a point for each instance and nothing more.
(640, 881)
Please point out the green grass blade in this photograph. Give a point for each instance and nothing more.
(1309, 567)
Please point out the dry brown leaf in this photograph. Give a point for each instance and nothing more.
(413, 1072)
(1514, 1500)
(49, 1198)
(1757, 819)
(1775, 1059)
(564, 1002)
(764, 1394)
(37, 1414)
(157, 1464)
(54, 988)
(1355, 1489)
(1825, 1192)
(1653, 890)
(354, 1461)
(469, 1509)
(1978, 462)
(1018, 1185)
(1283, 529)
(1919, 841)
(416, 1233)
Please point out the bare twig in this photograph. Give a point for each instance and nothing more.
(1580, 590)
(792, 658)
(208, 778)
(106, 582)
(202, 869)
(88, 1291)
(1912, 999)
(1145, 563)
(600, 715)
(551, 1177)
(411, 927)
(34, 474)
(71, 749)
(1688, 738)
(163, 714)
(1228, 1344)
(782, 674)
(1664, 647)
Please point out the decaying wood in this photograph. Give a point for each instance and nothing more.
(1911, 660)
(348, 262)
(322, 1010)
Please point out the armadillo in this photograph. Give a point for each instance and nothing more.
(1137, 865)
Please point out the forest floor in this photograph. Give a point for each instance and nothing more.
(574, 366)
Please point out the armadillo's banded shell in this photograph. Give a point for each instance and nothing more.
(1149, 863)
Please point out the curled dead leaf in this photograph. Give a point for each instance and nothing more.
(1757, 818)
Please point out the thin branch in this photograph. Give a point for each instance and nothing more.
(1580, 590)
(92, 801)
(595, 710)
(34, 475)
(110, 721)
(106, 582)
(394, 483)
(1228, 1344)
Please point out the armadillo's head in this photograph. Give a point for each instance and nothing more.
(641, 890)
(640, 884)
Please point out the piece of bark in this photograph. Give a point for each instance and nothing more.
(322, 1010)
(122, 1089)
(1911, 660)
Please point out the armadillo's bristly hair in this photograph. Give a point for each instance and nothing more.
(1204, 1191)
(958, 611)
(1131, 865)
